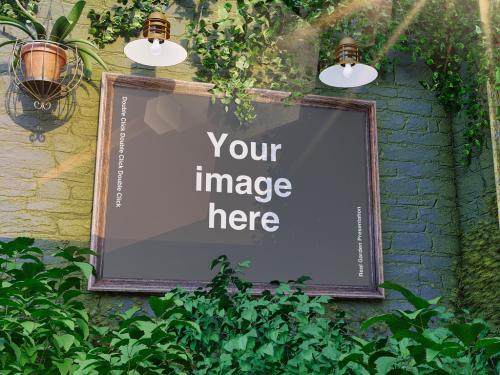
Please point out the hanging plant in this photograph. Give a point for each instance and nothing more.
(242, 49)
(450, 42)
(49, 47)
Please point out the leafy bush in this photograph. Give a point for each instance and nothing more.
(15, 15)
(222, 329)
(426, 340)
(45, 329)
(286, 332)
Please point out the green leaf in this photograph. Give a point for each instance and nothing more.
(405, 333)
(267, 349)
(64, 341)
(65, 25)
(467, 333)
(84, 327)
(9, 302)
(241, 343)
(359, 340)
(249, 314)
(186, 323)
(491, 345)
(87, 65)
(160, 305)
(236, 344)
(39, 28)
(416, 301)
(65, 366)
(29, 326)
(431, 354)
(86, 268)
(7, 43)
(385, 364)
(374, 357)
(68, 323)
(75, 13)
(395, 323)
(245, 264)
(59, 29)
(82, 41)
(347, 358)
(18, 244)
(70, 294)
(85, 50)
(130, 313)
(217, 261)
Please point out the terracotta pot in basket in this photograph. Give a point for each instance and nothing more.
(42, 61)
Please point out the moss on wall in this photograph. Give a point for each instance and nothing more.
(479, 274)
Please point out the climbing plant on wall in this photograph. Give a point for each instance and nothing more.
(241, 49)
(242, 46)
(238, 50)
(451, 44)
(9, 8)
(125, 19)
(446, 35)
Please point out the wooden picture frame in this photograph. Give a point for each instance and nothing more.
(98, 283)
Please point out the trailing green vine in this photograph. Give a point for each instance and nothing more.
(245, 46)
(124, 20)
(241, 49)
(451, 44)
(9, 8)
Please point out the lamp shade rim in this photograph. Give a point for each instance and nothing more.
(361, 75)
(140, 52)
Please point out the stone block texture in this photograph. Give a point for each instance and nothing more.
(46, 187)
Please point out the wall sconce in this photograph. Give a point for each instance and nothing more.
(155, 49)
(348, 72)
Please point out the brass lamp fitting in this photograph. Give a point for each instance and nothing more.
(347, 52)
(156, 27)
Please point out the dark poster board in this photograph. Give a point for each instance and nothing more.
(180, 182)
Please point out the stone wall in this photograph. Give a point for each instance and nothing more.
(475, 182)
(46, 187)
(417, 178)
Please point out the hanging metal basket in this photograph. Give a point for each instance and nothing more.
(45, 70)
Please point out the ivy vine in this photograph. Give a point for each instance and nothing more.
(243, 46)
(241, 49)
(9, 8)
(451, 44)
(124, 20)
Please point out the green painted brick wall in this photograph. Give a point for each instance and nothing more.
(475, 183)
(46, 187)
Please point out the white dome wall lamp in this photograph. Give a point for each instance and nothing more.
(155, 49)
(348, 72)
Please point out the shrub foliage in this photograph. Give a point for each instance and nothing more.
(45, 328)
(221, 329)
